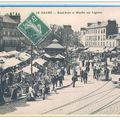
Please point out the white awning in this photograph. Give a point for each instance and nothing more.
(40, 61)
(59, 56)
(3, 59)
(95, 49)
(27, 69)
(14, 52)
(24, 56)
(4, 54)
(46, 55)
(109, 49)
(11, 62)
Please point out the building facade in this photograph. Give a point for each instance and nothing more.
(113, 41)
(96, 34)
(10, 37)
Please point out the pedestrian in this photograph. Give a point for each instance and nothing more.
(62, 72)
(86, 76)
(40, 88)
(14, 93)
(53, 82)
(106, 72)
(27, 88)
(31, 94)
(2, 100)
(81, 74)
(93, 63)
(74, 79)
(94, 72)
(68, 70)
(60, 80)
(56, 80)
(36, 89)
(83, 63)
(43, 89)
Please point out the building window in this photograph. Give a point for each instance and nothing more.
(110, 44)
(98, 37)
(103, 30)
(98, 43)
(113, 44)
(101, 43)
(8, 33)
(104, 37)
(98, 31)
(106, 43)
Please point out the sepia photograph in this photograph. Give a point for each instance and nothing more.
(59, 59)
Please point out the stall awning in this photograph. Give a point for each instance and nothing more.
(24, 56)
(109, 49)
(11, 62)
(4, 54)
(59, 56)
(40, 61)
(14, 52)
(95, 50)
(47, 55)
(27, 69)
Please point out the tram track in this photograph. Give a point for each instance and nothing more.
(93, 102)
(106, 105)
(91, 94)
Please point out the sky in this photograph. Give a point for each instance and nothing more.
(77, 17)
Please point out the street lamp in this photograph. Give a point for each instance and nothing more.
(2, 101)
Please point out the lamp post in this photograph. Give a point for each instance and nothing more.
(2, 101)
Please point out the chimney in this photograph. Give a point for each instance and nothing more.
(98, 22)
(15, 16)
(89, 24)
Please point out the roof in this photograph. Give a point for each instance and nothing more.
(98, 24)
(7, 19)
(55, 45)
(40, 61)
(117, 37)
(11, 62)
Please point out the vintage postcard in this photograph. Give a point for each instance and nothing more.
(60, 59)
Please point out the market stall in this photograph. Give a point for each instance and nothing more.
(27, 69)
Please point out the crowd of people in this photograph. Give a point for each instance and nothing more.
(47, 79)
(37, 85)
(100, 72)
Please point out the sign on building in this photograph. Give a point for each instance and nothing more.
(34, 28)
